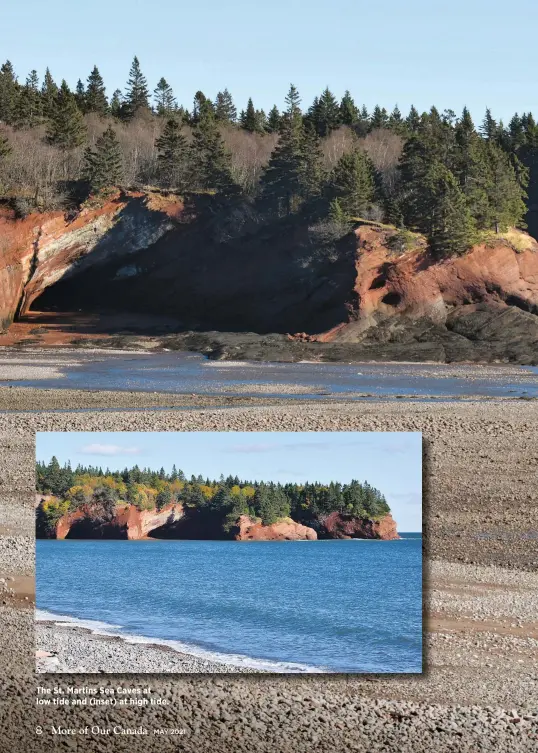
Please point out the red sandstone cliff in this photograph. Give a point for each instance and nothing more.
(139, 252)
(339, 526)
(37, 251)
(283, 530)
(128, 523)
(390, 285)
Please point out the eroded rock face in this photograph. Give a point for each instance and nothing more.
(412, 286)
(140, 253)
(339, 526)
(39, 250)
(284, 530)
(128, 523)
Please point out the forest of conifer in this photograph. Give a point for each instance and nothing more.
(330, 162)
(225, 499)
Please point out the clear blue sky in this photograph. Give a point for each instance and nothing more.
(390, 461)
(464, 52)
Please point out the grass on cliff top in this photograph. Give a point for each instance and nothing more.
(518, 239)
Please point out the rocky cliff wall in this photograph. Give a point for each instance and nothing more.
(128, 523)
(283, 530)
(339, 526)
(39, 250)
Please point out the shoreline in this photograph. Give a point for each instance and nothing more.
(75, 646)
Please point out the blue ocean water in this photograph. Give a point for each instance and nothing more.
(330, 606)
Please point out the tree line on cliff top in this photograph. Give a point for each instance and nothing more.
(433, 173)
(99, 492)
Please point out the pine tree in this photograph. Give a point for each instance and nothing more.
(225, 110)
(311, 173)
(261, 121)
(352, 183)
(273, 120)
(379, 117)
(66, 125)
(489, 126)
(293, 102)
(96, 100)
(49, 91)
(173, 156)
(116, 104)
(9, 92)
(212, 167)
(413, 120)
(137, 95)
(451, 228)
(505, 194)
(337, 214)
(80, 96)
(327, 113)
(164, 99)
(280, 185)
(396, 122)
(349, 113)
(104, 164)
(29, 109)
(249, 121)
(202, 108)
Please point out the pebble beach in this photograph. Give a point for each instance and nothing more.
(479, 689)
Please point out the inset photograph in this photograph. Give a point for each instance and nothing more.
(206, 552)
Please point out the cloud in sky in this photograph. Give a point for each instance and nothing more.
(382, 444)
(108, 450)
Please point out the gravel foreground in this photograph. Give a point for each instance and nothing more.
(479, 691)
(78, 650)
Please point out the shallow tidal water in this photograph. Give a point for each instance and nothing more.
(192, 373)
(321, 606)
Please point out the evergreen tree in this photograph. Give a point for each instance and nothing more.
(29, 109)
(225, 110)
(66, 125)
(352, 183)
(104, 164)
(311, 173)
(349, 113)
(96, 100)
(505, 194)
(489, 126)
(273, 120)
(9, 93)
(261, 121)
(328, 113)
(451, 228)
(249, 121)
(293, 103)
(164, 99)
(202, 108)
(173, 156)
(80, 96)
(116, 104)
(396, 122)
(380, 118)
(281, 180)
(413, 120)
(49, 92)
(137, 95)
(211, 161)
(363, 125)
